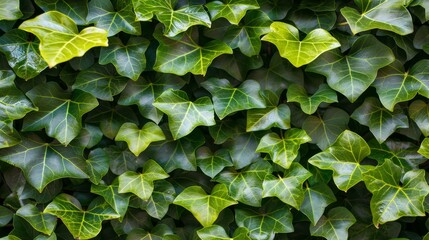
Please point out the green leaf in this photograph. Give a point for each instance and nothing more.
(89, 136)
(424, 5)
(395, 194)
(353, 73)
(325, 130)
(283, 150)
(316, 199)
(276, 9)
(309, 104)
(228, 99)
(142, 184)
(76, 10)
(286, 39)
(114, 18)
(9, 136)
(162, 196)
(424, 148)
(60, 112)
(391, 15)
(101, 81)
(60, 39)
(6, 216)
(242, 148)
(231, 10)
(213, 163)
(216, 232)
(204, 207)
(381, 122)
(119, 202)
(306, 20)
(22, 55)
(318, 5)
(9, 10)
(98, 165)
(419, 113)
(139, 139)
(82, 224)
(122, 160)
(129, 60)
(335, 225)
(237, 65)
(43, 162)
(42, 222)
(289, 187)
(395, 85)
(184, 115)
(343, 157)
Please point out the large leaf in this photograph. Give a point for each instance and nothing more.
(204, 207)
(82, 224)
(309, 104)
(391, 15)
(381, 122)
(60, 112)
(9, 10)
(42, 222)
(395, 194)
(286, 39)
(76, 10)
(419, 113)
(335, 225)
(184, 115)
(343, 157)
(353, 73)
(228, 99)
(316, 199)
(60, 39)
(283, 150)
(119, 202)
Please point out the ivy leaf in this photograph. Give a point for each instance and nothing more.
(60, 39)
(334, 226)
(183, 54)
(98, 165)
(60, 112)
(419, 113)
(309, 104)
(325, 130)
(205, 208)
(42, 222)
(286, 39)
(316, 199)
(384, 14)
(289, 187)
(22, 55)
(6, 216)
(237, 65)
(162, 196)
(101, 81)
(424, 5)
(242, 148)
(213, 163)
(113, 18)
(183, 115)
(228, 99)
(76, 10)
(129, 60)
(122, 160)
(9, 136)
(353, 73)
(142, 184)
(43, 163)
(306, 20)
(277, 10)
(424, 148)
(82, 224)
(283, 150)
(139, 139)
(9, 10)
(216, 232)
(395, 194)
(231, 10)
(118, 202)
(343, 157)
(381, 122)
(395, 85)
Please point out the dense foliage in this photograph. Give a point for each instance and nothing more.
(203, 119)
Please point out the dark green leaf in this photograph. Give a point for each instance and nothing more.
(335, 225)
(237, 65)
(232, 10)
(119, 202)
(242, 149)
(309, 104)
(88, 137)
(316, 199)
(212, 163)
(275, 9)
(76, 9)
(5, 216)
(419, 113)
(318, 5)
(9, 136)
(306, 20)
(122, 160)
(162, 196)
(98, 165)
(42, 222)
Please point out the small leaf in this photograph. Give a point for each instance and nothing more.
(76, 9)
(204, 207)
(9, 136)
(60, 39)
(334, 226)
(309, 104)
(316, 199)
(276, 10)
(42, 222)
(98, 165)
(306, 20)
(9, 10)
(424, 148)
(419, 113)
(212, 163)
(5, 216)
(232, 10)
(216, 232)
(286, 39)
(119, 202)
(242, 148)
(162, 196)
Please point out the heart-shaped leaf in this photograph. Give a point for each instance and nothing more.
(213, 163)
(335, 225)
(42, 222)
(9, 10)
(286, 39)
(76, 10)
(419, 113)
(353, 73)
(162, 196)
(231, 10)
(316, 199)
(119, 202)
(60, 39)
(309, 104)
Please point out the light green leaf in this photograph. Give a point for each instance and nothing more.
(82, 224)
(119, 202)
(424, 148)
(343, 157)
(158, 203)
(232, 10)
(98, 165)
(60, 39)
(76, 9)
(419, 113)
(309, 104)
(9, 10)
(395, 194)
(283, 150)
(42, 222)
(381, 122)
(228, 99)
(286, 39)
(9, 136)
(395, 85)
(113, 18)
(316, 199)
(353, 73)
(183, 115)
(212, 163)
(139, 139)
(205, 208)
(60, 112)
(129, 60)
(43, 162)
(335, 225)
(142, 184)
(391, 15)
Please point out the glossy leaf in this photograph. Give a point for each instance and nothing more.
(60, 39)
(286, 38)
(424, 148)
(213, 163)
(335, 225)
(316, 199)
(419, 113)
(121, 160)
(98, 165)
(76, 10)
(9, 10)
(42, 222)
(231, 10)
(9, 136)
(6, 216)
(162, 196)
(119, 202)
(353, 73)
(276, 10)
(307, 20)
(216, 232)
(309, 104)
(242, 148)
(237, 65)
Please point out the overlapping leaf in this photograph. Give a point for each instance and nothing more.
(9, 10)
(232, 10)
(335, 225)
(98, 165)
(307, 20)
(216, 232)
(419, 113)
(159, 201)
(276, 10)
(42, 222)
(9, 136)
(309, 104)
(237, 65)
(213, 163)
(76, 10)
(242, 148)
(316, 199)
(119, 202)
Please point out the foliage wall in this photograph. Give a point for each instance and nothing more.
(231, 119)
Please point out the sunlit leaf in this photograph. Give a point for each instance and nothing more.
(9, 10)
(42, 222)
(335, 225)
(309, 104)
